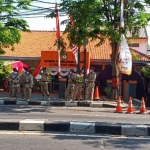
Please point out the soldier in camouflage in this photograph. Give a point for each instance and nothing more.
(71, 84)
(14, 80)
(44, 83)
(27, 81)
(79, 78)
(22, 81)
(90, 84)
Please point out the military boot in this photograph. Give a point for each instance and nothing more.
(43, 98)
(48, 98)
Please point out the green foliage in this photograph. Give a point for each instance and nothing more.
(32, 70)
(61, 44)
(134, 57)
(50, 77)
(5, 70)
(98, 19)
(107, 90)
(9, 25)
(146, 72)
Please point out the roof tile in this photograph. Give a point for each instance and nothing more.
(32, 43)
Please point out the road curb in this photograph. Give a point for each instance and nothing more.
(59, 103)
(76, 127)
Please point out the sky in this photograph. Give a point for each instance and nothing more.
(48, 24)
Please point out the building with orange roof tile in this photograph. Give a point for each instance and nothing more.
(32, 43)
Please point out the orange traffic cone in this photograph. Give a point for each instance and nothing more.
(96, 94)
(142, 107)
(130, 109)
(119, 108)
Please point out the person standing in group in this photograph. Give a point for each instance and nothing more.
(27, 81)
(22, 81)
(44, 83)
(79, 78)
(71, 84)
(10, 83)
(90, 84)
(14, 80)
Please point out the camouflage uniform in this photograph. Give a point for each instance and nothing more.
(78, 85)
(71, 85)
(27, 81)
(10, 84)
(44, 84)
(14, 80)
(90, 85)
(22, 82)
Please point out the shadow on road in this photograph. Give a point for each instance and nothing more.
(112, 143)
(24, 109)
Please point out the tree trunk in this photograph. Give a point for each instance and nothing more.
(115, 70)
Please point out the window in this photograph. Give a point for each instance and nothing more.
(148, 52)
(134, 45)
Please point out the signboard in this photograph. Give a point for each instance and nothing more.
(50, 59)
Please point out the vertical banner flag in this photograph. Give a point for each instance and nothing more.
(121, 14)
(75, 52)
(125, 58)
(57, 37)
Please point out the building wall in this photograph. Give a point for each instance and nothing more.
(31, 63)
(143, 45)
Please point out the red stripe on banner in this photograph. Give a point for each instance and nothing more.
(75, 49)
(36, 71)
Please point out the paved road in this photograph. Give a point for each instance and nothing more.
(63, 142)
(71, 114)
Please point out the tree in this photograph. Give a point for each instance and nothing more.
(100, 19)
(146, 72)
(5, 71)
(9, 24)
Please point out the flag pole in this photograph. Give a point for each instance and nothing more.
(58, 38)
(59, 68)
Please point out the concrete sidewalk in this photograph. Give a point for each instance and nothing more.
(55, 101)
(75, 127)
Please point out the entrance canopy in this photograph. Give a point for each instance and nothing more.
(49, 59)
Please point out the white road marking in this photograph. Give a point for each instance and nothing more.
(85, 115)
(100, 115)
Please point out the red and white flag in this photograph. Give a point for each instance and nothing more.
(36, 72)
(75, 52)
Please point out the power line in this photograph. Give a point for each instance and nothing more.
(45, 2)
(38, 7)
